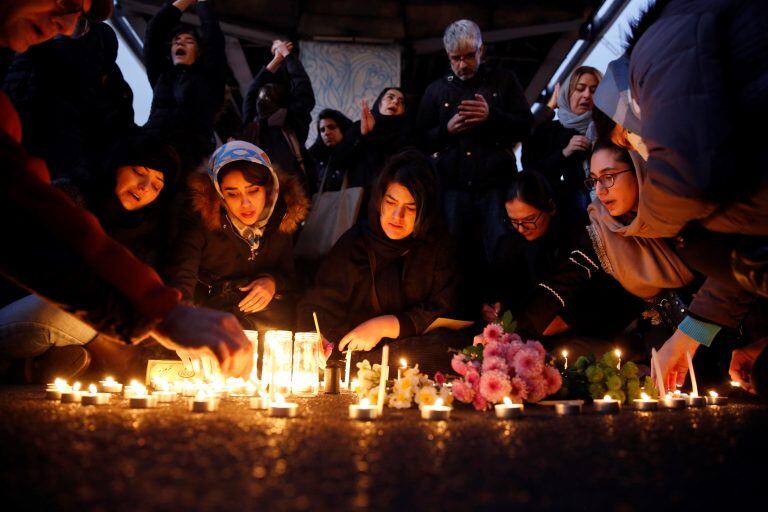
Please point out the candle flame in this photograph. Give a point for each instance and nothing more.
(279, 398)
(617, 352)
(644, 396)
(735, 384)
(403, 363)
(607, 397)
(564, 353)
(365, 402)
(60, 384)
(134, 383)
(713, 394)
(92, 389)
(76, 386)
(439, 402)
(201, 396)
(109, 380)
(507, 400)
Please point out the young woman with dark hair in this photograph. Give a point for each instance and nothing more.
(235, 252)
(390, 277)
(331, 127)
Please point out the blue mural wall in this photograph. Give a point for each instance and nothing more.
(344, 74)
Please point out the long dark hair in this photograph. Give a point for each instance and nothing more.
(341, 120)
(375, 106)
(413, 170)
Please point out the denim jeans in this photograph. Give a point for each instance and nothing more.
(30, 326)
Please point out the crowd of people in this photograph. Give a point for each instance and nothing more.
(641, 212)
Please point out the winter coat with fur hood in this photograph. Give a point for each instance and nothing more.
(210, 257)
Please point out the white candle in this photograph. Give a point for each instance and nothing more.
(282, 409)
(694, 400)
(646, 403)
(674, 401)
(55, 389)
(607, 405)
(735, 384)
(438, 411)
(363, 411)
(383, 382)
(617, 353)
(138, 398)
(564, 353)
(94, 398)
(72, 396)
(401, 369)
(508, 409)
(695, 388)
(347, 368)
(134, 389)
(110, 385)
(204, 403)
(260, 402)
(657, 370)
(713, 399)
(165, 396)
(568, 408)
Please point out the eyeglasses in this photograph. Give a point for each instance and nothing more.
(66, 8)
(527, 225)
(606, 180)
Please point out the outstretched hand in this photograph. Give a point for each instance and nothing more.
(367, 121)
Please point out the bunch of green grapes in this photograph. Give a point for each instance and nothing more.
(606, 379)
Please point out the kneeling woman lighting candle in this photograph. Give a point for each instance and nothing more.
(508, 409)
(95, 398)
(363, 411)
(436, 412)
(279, 408)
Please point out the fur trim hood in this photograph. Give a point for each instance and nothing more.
(290, 208)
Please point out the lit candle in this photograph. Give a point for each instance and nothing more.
(138, 398)
(712, 399)
(568, 408)
(348, 366)
(279, 408)
(694, 400)
(72, 396)
(674, 401)
(646, 403)
(564, 353)
(735, 384)
(55, 389)
(508, 409)
(694, 386)
(363, 411)
(204, 403)
(260, 402)
(438, 411)
(383, 381)
(133, 389)
(617, 353)
(607, 405)
(94, 398)
(401, 369)
(110, 385)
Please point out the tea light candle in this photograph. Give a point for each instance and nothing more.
(110, 385)
(568, 408)
(204, 403)
(260, 402)
(139, 399)
(55, 389)
(94, 398)
(72, 396)
(438, 411)
(646, 403)
(165, 396)
(712, 399)
(508, 409)
(363, 411)
(674, 401)
(134, 389)
(401, 369)
(282, 409)
(607, 405)
(694, 400)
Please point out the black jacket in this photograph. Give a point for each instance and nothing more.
(186, 98)
(342, 296)
(543, 153)
(73, 100)
(483, 158)
(210, 257)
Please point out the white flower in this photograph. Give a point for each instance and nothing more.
(426, 395)
(446, 395)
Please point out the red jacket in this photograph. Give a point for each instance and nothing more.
(59, 251)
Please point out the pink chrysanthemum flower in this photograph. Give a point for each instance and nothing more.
(512, 349)
(519, 391)
(538, 347)
(537, 389)
(553, 378)
(528, 363)
(472, 377)
(495, 363)
(495, 349)
(459, 364)
(479, 402)
(462, 391)
(494, 386)
(493, 332)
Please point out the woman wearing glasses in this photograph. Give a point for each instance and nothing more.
(541, 235)
(643, 267)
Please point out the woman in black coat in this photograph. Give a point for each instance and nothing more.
(389, 278)
(234, 251)
(331, 127)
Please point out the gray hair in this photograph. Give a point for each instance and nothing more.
(462, 33)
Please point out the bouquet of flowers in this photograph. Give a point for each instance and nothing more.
(500, 364)
(595, 378)
(412, 386)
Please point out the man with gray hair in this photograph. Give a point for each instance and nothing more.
(470, 120)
